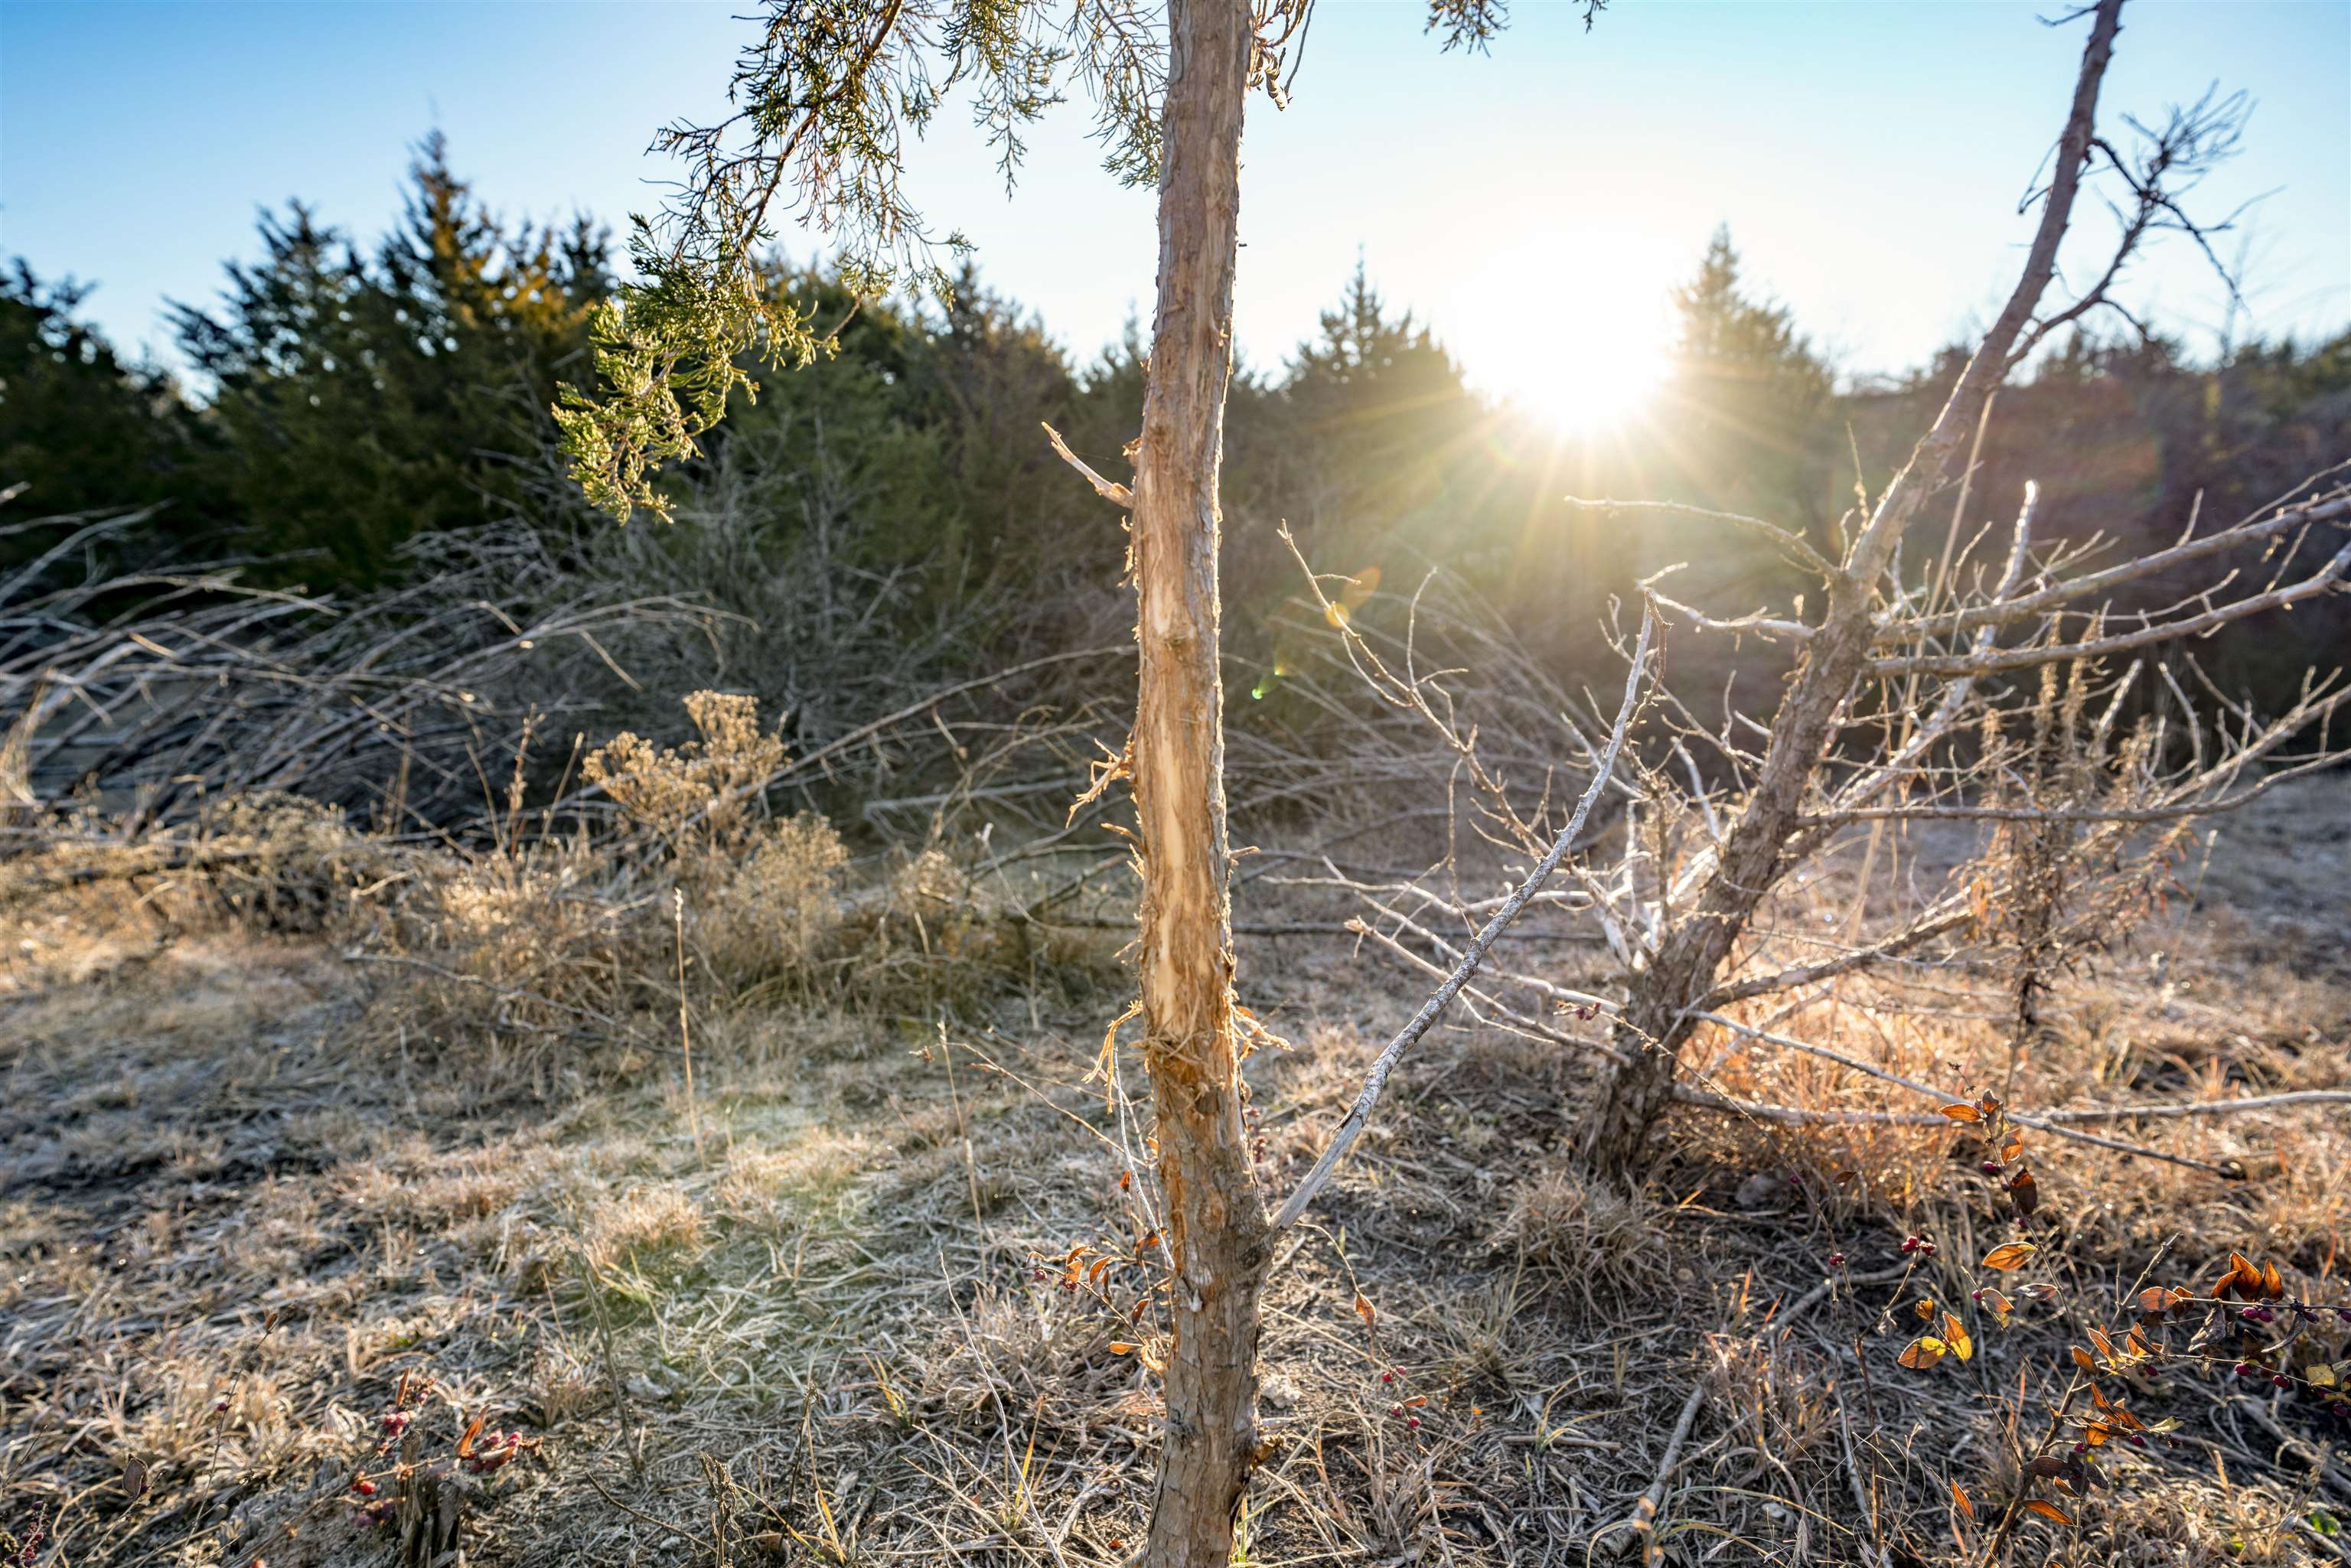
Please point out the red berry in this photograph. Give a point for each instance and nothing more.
(365, 1489)
(1396, 1409)
(1836, 1259)
(1412, 1422)
(2242, 1369)
(1388, 1377)
(1991, 1167)
(2281, 1380)
(220, 1407)
(2137, 1441)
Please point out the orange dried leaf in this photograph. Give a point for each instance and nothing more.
(1922, 1352)
(1119, 1347)
(1960, 1499)
(1363, 1310)
(2273, 1283)
(1102, 1267)
(2048, 1511)
(2009, 1255)
(2083, 1359)
(465, 1443)
(1963, 1112)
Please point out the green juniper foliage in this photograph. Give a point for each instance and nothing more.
(825, 100)
(363, 401)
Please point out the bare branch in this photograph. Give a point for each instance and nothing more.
(2042, 1122)
(1352, 1127)
(1108, 489)
(2004, 612)
(1990, 662)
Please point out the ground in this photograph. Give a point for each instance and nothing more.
(252, 1223)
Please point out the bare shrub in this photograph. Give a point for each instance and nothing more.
(773, 909)
(701, 793)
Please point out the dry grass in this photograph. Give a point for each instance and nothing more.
(252, 1185)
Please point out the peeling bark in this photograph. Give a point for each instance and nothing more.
(1215, 1220)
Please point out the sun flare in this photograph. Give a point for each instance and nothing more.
(1571, 326)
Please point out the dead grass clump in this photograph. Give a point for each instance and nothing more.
(1562, 1219)
(2194, 1520)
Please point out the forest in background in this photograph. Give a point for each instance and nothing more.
(364, 412)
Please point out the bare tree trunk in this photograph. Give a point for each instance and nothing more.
(1215, 1221)
(1657, 1014)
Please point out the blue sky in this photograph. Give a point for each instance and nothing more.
(1867, 155)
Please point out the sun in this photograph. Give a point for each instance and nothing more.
(1570, 325)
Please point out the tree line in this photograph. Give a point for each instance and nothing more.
(348, 401)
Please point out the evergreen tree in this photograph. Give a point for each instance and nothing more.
(82, 431)
(1747, 397)
(361, 404)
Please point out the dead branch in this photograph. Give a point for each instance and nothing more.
(1109, 490)
(1359, 1115)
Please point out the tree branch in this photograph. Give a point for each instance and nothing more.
(1352, 1127)
(1109, 490)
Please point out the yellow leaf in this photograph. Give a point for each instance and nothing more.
(1955, 1333)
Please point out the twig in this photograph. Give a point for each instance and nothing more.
(1769, 1112)
(1108, 489)
(1376, 1079)
(2231, 1172)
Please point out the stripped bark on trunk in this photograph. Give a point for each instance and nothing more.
(1215, 1220)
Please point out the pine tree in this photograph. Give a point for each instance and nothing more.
(364, 403)
(82, 431)
(1748, 395)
